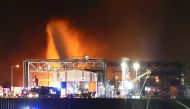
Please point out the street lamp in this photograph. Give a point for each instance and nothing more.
(136, 66)
(115, 82)
(116, 77)
(124, 68)
(157, 79)
(12, 69)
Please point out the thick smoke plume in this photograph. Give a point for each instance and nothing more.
(64, 41)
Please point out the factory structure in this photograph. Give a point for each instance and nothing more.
(73, 75)
(79, 75)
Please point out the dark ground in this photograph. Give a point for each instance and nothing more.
(98, 103)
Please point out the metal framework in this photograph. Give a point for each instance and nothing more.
(97, 65)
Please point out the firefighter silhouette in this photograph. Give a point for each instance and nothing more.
(36, 81)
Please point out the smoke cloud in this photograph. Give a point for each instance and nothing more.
(64, 41)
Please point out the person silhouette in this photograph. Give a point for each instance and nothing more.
(36, 81)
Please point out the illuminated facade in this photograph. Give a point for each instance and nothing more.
(73, 72)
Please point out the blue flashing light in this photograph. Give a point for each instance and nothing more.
(63, 85)
(30, 107)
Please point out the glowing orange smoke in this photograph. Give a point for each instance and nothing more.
(63, 40)
(51, 49)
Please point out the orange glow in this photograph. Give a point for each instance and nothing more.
(92, 86)
(63, 40)
(51, 49)
(157, 80)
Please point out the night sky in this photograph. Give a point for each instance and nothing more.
(148, 30)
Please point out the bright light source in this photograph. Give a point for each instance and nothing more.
(129, 85)
(136, 97)
(70, 90)
(156, 77)
(86, 57)
(136, 66)
(116, 77)
(36, 95)
(123, 65)
(28, 107)
(17, 66)
(125, 59)
(30, 95)
(57, 85)
(147, 89)
(52, 92)
(63, 92)
(49, 67)
(157, 80)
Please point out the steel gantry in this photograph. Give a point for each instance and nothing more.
(97, 65)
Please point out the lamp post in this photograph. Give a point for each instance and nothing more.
(136, 66)
(12, 69)
(115, 78)
(124, 68)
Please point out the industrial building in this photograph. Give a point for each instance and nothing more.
(73, 75)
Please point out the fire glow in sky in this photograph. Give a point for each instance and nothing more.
(141, 30)
(63, 40)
